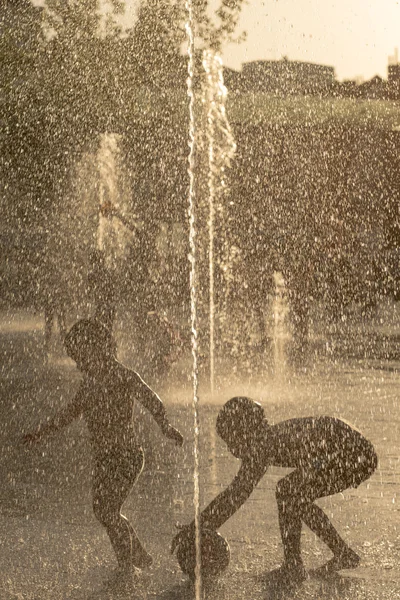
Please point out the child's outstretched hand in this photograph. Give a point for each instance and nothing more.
(173, 434)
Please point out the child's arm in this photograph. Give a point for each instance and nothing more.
(227, 502)
(153, 403)
(63, 418)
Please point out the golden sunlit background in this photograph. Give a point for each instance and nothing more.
(354, 36)
(228, 229)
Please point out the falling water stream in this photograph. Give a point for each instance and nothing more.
(108, 186)
(221, 149)
(211, 191)
(193, 290)
(279, 311)
(101, 225)
(114, 231)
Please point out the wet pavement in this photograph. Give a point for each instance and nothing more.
(53, 548)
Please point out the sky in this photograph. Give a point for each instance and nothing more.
(354, 36)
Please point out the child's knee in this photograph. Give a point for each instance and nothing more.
(288, 497)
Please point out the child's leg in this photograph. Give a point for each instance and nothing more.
(107, 512)
(124, 540)
(111, 485)
(315, 518)
(295, 498)
(289, 524)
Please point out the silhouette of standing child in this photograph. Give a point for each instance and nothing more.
(105, 399)
(327, 456)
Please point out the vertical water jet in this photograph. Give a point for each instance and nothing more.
(279, 311)
(193, 288)
(221, 149)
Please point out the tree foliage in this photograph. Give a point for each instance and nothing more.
(159, 34)
(75, 81)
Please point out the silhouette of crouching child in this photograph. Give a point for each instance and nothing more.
(327, 456)
(105, 399)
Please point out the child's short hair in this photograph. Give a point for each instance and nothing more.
(239, 415)
(89, 335)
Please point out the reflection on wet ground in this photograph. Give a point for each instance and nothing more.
(53, 548)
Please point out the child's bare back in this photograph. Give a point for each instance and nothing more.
(107, 403)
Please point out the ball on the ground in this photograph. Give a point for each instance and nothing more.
(215, 554)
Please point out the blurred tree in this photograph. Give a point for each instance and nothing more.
(76, 80)
(159, 34)
(53, 68)
(322, 206)
(157, 56)
(20, 44)
(156, 39)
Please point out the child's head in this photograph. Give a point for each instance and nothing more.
(238, 422)
(90, 344)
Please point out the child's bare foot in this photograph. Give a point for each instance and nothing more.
(347, 559)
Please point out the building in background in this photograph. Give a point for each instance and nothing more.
(288, 77)
(394, 75)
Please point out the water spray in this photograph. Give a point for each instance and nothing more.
(221, 149)
(113, 225)
(193, 291)
(109, 211)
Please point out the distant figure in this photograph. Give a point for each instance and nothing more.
(167, 342)
(261, 291)
(160, 343)
(54, 307)
(51, 297)
(102, 289)
(298, 293)
(105, 399)
(327, 456)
